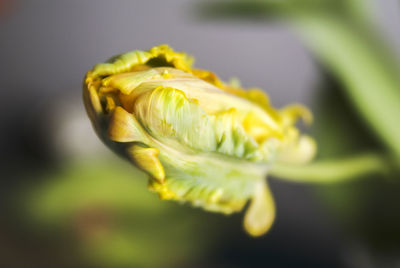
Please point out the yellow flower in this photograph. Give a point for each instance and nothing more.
(201, 140)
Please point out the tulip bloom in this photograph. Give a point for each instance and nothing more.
(201, 140)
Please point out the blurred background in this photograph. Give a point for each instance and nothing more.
(66, 201)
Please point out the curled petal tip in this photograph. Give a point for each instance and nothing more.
(293, 112)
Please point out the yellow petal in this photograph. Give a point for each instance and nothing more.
(292, 113)
(124, 127)
(127, 82)
(261, 213)
(300, 151)
(146, 159)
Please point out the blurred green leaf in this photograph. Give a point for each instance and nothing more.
(369, 73)
(103, 209)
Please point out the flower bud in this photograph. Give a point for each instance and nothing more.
(201, 140)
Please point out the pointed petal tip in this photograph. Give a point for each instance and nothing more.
(123, 127)
(147, 160)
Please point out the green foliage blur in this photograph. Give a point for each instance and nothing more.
(102, 208)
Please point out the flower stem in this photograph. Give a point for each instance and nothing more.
(331, 171)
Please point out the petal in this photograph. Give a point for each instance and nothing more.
(123, 127)
(261, 213)
(121, 63)
(300, 151)
(293, 112)
(171, 117)
(146, 159)
(178, 60)
(127, 82)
